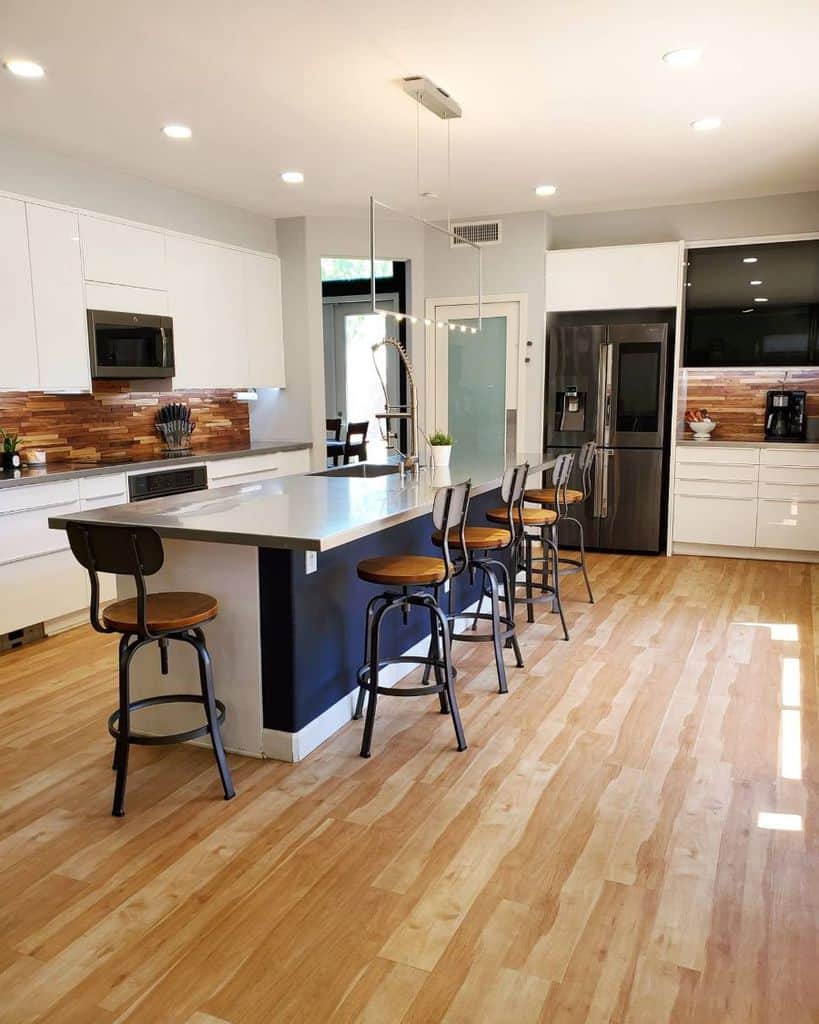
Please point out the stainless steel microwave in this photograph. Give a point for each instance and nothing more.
(130, 345)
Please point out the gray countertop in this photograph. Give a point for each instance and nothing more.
(808, 445)
(71, 470)
(305, 512)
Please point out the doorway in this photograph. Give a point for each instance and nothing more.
(354, 372)
(473, 380)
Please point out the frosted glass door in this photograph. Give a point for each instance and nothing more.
(477, 388)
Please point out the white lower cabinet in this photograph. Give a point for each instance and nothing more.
(253, 468)
(705, 519)
(789, 525)
(765, 498)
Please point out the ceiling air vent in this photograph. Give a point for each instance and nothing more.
(479, 232)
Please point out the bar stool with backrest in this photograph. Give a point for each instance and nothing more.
(415, 575)
(540, 524)
(146, 619)
(486, 546)
(546, 496)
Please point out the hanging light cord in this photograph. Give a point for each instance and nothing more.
(448, 176)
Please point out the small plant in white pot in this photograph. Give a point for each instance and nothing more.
(441, 448)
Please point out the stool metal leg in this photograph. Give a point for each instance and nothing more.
(121, 751)
(583, 560)
(509, 600)
(492, 579)
(369, 722)
(435, 655)
(212, 715)
(558, 605)
(368, 619)
(449, 678)
(530, 608)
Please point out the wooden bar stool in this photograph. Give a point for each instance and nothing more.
(486, 546)
(546, 496)
(541, 524)
(415, 574)
(146, 619)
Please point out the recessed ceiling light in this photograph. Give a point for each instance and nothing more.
(177, 131)
(706, 124)
(760, 299)
(750, 259)
(545, 190)
(292, 177)
(25, 68)
(755, 283)
(682, 58)
(747, 310)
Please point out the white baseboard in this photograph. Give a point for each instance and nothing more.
(295, 746)
(59, 625)
(762, 554)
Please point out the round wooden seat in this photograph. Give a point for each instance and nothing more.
(165, 613)
(402, 570)
(546, 496)
(531, 516)
(477, 538)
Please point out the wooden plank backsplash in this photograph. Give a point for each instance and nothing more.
(736, 398)
(114, 423)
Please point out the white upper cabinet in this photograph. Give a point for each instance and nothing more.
(227, 316)
(207, 305)
(18, 345)
(613, 277)
(59, 298)
(121, 254)
(263, 321)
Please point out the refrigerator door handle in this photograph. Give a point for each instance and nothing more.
(602, 391)
(604, 484)
(597, 507)
(608, 391)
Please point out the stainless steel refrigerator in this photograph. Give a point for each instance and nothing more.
(608, 383)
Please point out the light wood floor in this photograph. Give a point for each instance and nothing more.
(596, 854)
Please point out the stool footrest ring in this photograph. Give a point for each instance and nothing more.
(363, 676)
(148, 740)
(509, 630)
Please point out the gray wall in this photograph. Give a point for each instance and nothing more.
(733, 218)
(515, 265)
(29, 170)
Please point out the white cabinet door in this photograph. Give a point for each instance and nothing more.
(788, 525)
(122, 254)
(59, 298)
(263, 321)
(206, 297)
(702, 519)
(18, 345)
(613, 277)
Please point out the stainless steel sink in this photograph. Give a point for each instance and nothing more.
(364, 470)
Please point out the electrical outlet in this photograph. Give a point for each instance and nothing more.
(310, 561)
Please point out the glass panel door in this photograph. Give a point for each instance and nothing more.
(477, 388)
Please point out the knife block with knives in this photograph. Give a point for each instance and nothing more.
(175, 426)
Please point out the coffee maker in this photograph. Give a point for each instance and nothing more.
(785, 418)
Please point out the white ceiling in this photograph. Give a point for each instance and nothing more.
(571, 93)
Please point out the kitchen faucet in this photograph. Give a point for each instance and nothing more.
(401, 412)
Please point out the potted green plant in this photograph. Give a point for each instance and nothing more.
(11, 453)
(441, 448)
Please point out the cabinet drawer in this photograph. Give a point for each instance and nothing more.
(790, 492)
(293, 462)
(704, 453)
(27, 533)
(223, 472)
(788, 525)
(715, 520)
(789, 475)
(93, 487)
(714, 471)
(712, 488)
(24, 499)
(44, 588)
(807, 459)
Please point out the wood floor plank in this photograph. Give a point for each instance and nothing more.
(596, 855)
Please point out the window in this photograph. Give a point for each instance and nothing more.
(353, 270)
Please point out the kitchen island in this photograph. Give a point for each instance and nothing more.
(280, 556)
